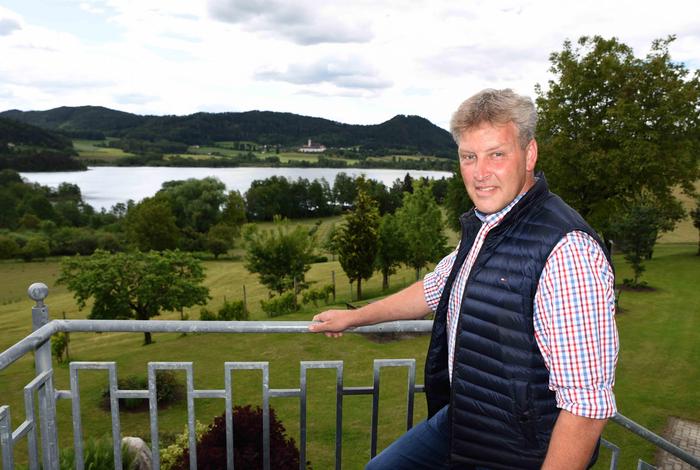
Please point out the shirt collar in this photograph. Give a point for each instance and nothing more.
(496, 217)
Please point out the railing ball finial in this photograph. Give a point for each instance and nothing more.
(38, 292)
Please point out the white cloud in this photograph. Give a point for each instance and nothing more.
(360, 62)
(302, 22)
(348, 72)
(8, 26)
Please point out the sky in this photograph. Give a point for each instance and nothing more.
(352, 61)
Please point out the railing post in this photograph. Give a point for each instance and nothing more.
(47, 395)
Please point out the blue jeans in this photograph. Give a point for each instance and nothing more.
(424, 446)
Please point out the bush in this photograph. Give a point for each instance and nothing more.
(168, 390)
(8, 247)
(71, 241)
(98, 454)
(280, 305)
(247, 443)
(233, 310)
(59, 346)
(36, 248)
(314, 295)
(169, 456)
(207, 315)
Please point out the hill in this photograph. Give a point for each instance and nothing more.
(401, 134)
(24, 147)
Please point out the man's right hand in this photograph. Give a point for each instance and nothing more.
(332, 322)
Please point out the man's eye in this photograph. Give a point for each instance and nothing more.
(498, 154)
(467, 157)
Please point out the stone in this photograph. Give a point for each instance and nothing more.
(139, 453)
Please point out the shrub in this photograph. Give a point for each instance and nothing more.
(8, 247)
(233, 310)
(36, 248)
(59, 345)
(247, 443)
(30, 221)
(280, 305)
(168, 390)
(71, 241)
(98, 454)
(314, 295)
(207, 315)
(169, 456)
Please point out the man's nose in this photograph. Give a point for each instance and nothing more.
(481, 169)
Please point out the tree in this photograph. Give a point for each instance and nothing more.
(234, 210)
(636, 227)
(150, 225)
(9, 215)
(8, 247)
(279, 255)
(35, 248)
(357, 239)
(135, 285)
(612, 124)
(268, 198)
(196, 203)
(331, 240)
(457, 201)
(220, 239)
(421, 223)
(695, 215)
(635, 234)
(344, 190)
(390, 248)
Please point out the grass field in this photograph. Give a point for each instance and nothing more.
(90, 150)
(93, 151)
(658, 374)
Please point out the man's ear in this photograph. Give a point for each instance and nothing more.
(531, 155)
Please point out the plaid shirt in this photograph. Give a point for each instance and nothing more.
(574, 317)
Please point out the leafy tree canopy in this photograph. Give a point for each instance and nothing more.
(357, 239)
(280, 254)
(150, 225)
(421, 222)
(612, 124)
(390, 247)
(196, 203)
(135, 285)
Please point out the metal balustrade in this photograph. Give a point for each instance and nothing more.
(42, 388)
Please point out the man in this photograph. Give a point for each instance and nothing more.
(520, 367)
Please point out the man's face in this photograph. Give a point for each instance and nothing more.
(494, 167)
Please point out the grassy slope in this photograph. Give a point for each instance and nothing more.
(89, 150)
(657, 374)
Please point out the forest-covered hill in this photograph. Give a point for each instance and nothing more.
(401, 134)
(24, 147)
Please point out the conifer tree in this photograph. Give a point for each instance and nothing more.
(357, 239)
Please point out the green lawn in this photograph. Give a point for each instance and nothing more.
(657, 377)
(91, 150)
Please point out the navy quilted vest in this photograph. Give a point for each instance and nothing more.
(501, 409)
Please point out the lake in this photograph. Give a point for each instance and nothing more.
(104, 186)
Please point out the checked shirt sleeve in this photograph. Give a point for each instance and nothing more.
(574, 322)
(434, 282)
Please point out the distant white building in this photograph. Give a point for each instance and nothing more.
(312, 147)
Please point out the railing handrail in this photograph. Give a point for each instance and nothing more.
(43, 334)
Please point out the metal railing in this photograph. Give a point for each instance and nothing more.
(41, 387)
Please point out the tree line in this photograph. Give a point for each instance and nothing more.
(28, 148)
(191, 215)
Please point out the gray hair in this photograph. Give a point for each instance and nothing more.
(496, 107)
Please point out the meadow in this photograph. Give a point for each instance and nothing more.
(657, 375)
(95, 151)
